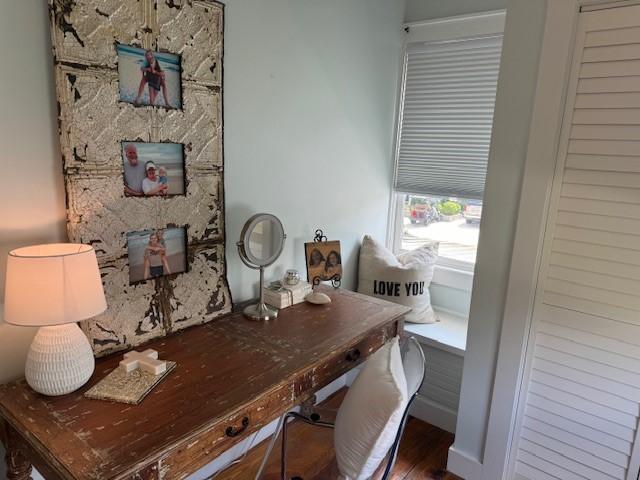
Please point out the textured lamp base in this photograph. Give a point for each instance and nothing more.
(60, 360)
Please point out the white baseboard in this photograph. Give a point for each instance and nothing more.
(434, 413)
(463, 465)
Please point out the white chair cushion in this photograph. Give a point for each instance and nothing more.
(370, 415)
(404, 279)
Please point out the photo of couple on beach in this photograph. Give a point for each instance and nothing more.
(153, 169)
(149, 78)
(156, 253)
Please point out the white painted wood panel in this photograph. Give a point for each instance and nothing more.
(607, 132)
(580, 402)
(607, 85)
(605, 116)
(618, 36)
(576, 428)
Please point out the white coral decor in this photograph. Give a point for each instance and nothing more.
(60, 360)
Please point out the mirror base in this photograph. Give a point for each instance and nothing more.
(260, 311)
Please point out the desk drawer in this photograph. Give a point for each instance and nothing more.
(346, 359)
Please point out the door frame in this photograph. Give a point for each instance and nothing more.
(554, 70)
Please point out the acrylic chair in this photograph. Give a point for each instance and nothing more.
(413, 363)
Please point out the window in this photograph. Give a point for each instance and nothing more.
(444, 130)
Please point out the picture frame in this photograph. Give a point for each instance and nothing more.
(149, 78)
(324, 262)
(153, 169)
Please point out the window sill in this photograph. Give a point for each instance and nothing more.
(453, 278)
(449, 334)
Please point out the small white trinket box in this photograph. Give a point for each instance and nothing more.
(286, 295)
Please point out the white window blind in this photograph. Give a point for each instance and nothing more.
(447, 114)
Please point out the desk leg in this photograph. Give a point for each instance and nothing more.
(18, 466)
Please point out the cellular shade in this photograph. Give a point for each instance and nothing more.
(447, 114)
(52, 284)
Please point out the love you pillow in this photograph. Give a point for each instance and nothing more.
(402, 279)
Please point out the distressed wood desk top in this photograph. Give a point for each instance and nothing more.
(233, 376)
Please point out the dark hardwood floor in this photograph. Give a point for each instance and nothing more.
(422, 454)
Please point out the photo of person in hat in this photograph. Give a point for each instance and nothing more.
(151, 185)
(153, 168)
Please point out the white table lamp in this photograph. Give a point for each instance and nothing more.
(54, 286)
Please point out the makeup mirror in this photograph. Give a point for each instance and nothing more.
(261, 243)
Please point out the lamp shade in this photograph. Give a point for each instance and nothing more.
(52, 284)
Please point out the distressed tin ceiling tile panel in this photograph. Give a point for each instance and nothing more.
(93, 122)
(205, 269)
(135, 312)
(195, 30)
(86, 30)
(92, 117)
(198, 127)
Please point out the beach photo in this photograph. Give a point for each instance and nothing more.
(156, 253)
(149, 78)
(324, 261)
(153, 169)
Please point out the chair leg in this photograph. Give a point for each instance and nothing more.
(314, 420)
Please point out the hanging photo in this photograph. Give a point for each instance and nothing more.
(156, 253)
(153, 169)
(149, 78)
(324, 261)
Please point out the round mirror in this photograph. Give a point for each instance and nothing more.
(261, 243)
(261, 240)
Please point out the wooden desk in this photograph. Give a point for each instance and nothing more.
(233, 377)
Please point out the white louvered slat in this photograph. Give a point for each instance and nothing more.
(608, 100)
(606, 116)
(609, 85)
(625, 275)
(611, 52)
(586, 337)
(549, 451)
(628, 392)
(567, 301)
(525, 471)
(606, 132)
(602, 452)
(599, 222)
(580, 363)
(583, 404)
(604, 331)
(613, 163)
(597, 237)
(605, 147)
(599, 207)
(583, 418)
(584, 431)
(610, 69)
(584, 391)
(617, 36)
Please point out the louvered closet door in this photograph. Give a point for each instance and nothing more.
(581, 395)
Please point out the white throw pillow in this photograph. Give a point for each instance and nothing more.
(370, 415)
(404, 279)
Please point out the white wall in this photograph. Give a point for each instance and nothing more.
(32, 193)
(418, 10)
(514, 103)
(310, 91)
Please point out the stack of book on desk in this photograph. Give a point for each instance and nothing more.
(286, 295)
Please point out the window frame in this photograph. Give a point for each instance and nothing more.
(448, 272)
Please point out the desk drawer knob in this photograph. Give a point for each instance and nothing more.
(353, 355)
(233, 431)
